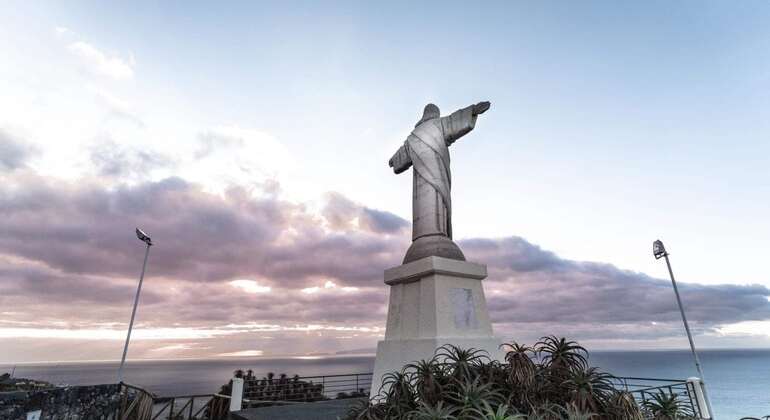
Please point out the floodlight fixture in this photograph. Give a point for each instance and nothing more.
(658, 250)
(143, 237)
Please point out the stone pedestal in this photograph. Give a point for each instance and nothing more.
(433, 301)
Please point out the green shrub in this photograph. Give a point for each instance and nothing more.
(550, 381)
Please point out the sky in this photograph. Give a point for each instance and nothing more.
(251, 141)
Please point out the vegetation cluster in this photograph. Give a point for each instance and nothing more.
(269, 389)
(550, 381)
(9, 383)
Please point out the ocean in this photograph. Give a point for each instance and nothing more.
(738, 380)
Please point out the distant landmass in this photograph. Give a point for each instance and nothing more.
(357, 351)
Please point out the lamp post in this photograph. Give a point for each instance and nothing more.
(659, 251)
(146, 239)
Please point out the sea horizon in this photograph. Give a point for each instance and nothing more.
(371, 352)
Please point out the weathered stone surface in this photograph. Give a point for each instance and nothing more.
(71, 403)
(424, 267)
(434, 245)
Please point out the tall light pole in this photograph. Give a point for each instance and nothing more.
(146, 239)
(658, 250)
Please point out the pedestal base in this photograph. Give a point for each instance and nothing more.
(433, 245)
(393, 355)
(433, 301)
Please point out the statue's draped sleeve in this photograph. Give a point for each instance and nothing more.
(458, 124)
(400, 160)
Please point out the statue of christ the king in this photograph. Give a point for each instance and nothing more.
(427, 151)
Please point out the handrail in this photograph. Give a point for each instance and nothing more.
(166, 407)
(659, 387)
(188, 396)
(328, 376)
(371, 373)
(138, 388)
(649, 379)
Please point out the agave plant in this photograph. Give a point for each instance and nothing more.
(546, 411)
(428, 377)
(665, 406)
(588, 388)
(366, 410)
(521, 368)
(399, 395)
(521, 373)
(559, 358)
(573, 412)
(463, 363)
(503, 412)
(560, 354)
(430, 412)
(470, 395)
(621, 405)
(494, 372)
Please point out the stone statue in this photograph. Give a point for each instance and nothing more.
(427, 150)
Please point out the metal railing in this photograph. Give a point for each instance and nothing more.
(191, 407)
(645, 390)
(260, 392)
(140, 404)
(135, 403)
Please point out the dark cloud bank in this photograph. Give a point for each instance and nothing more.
(69, 248)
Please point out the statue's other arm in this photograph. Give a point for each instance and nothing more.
(461, 122)
(400, 160)
(481, 107)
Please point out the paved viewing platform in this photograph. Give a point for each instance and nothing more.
(322, 410)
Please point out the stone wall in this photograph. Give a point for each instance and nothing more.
(97, 402)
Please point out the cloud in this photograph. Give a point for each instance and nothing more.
(117, 107)
(232, 155)
(88, 228)
(113, 160)
(232, 138)
(343, 214)
(250, 286)
(535, 287)
(62, 31)
(243, 353)
(240, 264)
(102, 63)
(211, 140)
(14, 153)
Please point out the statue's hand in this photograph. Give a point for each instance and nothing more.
(481, 107)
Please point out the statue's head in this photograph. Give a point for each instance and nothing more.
(430, 112)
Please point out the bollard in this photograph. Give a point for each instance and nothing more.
(700, 398)
(236, 395)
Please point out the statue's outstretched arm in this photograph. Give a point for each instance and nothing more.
(481, 107)
(462, 121)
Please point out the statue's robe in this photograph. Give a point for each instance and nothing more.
(426, 149)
